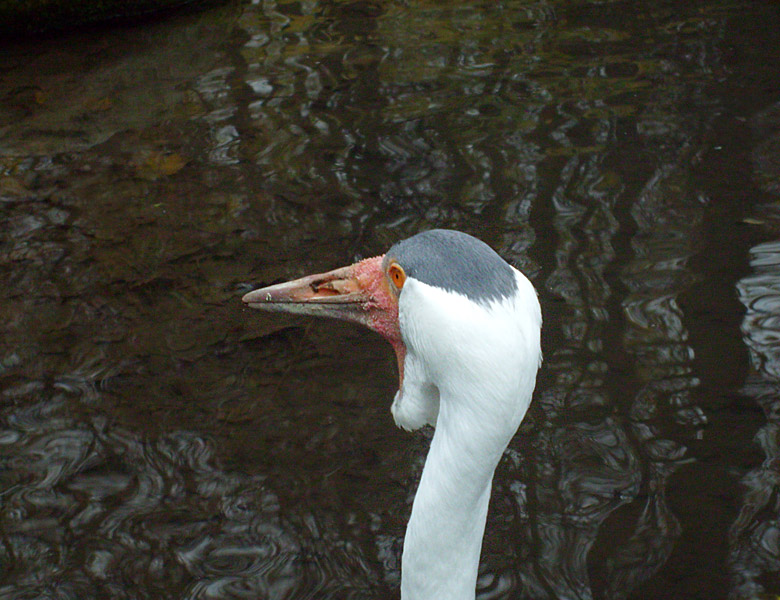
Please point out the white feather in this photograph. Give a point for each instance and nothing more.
(470, 370)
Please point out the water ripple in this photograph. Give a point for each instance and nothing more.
(754, 538)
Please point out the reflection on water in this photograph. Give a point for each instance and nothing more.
(156, 440)
(754, 544)
(113, 514)
(754, 537)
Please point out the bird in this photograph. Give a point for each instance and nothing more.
(466, 329)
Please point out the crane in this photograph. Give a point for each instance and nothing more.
(465, 326)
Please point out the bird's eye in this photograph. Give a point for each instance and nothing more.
(397, 275)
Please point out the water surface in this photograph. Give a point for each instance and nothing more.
(158, 440)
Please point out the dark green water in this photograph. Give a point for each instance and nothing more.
(158, 440)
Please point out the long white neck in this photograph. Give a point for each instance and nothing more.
(444, 536)
(470, 369)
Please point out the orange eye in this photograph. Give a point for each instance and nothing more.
(397, 275)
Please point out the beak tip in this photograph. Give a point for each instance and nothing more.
(253, 299)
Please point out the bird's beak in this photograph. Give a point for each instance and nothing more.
(359, 292)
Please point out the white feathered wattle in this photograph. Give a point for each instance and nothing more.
(467, 366)
(470, 371)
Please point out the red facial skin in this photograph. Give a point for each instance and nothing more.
(361, 292)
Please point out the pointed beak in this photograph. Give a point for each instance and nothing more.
(338, 294)
(359, 293)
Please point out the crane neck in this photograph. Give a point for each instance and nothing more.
(472, 367)
(444, 536)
